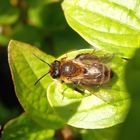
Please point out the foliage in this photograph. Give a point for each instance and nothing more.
(24, 128)
(111, 26)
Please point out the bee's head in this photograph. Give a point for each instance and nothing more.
(55, 69)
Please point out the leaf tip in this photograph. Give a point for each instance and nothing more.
(10, 44)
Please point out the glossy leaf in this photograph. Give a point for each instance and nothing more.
(26, 69)
(23, 127)
(111, 25)
(98, 107)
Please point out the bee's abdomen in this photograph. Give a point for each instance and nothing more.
(97, 74)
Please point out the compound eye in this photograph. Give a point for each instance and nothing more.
(56, 63)
(55, 69)
(55, 74)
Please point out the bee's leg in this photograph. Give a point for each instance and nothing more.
(64, 58)
(75, 87)
(63, 93)
(62, 81)
(93, 52)
(63, 90)
(127, 59)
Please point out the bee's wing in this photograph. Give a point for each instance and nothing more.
(91, 77)
(86, 58)
(89, 58)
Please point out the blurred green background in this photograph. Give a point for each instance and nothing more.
(37, 22)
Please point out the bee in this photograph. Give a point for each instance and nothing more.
(85, 69)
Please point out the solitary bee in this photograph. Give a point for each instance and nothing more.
(84, 70)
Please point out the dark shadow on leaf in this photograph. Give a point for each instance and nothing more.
(131, 128)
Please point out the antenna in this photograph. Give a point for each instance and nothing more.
(45, 73)
(41, 60)
(40, 78)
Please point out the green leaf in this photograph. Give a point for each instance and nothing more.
(111, 25)
(6, 114)
(100, 134)
(131, 127)
(99, 107)
(23, 128)
(25, 70)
